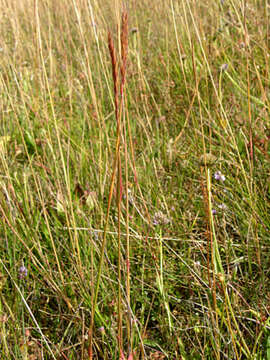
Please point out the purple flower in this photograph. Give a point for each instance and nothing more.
(214, 211)
(222, 206)
(23, 272)
(101, 330)
(219, 176)
(224, 67)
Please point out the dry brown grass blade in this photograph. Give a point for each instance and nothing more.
(124, 48)
(114, 73)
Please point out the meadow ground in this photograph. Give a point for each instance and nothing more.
(134, 183)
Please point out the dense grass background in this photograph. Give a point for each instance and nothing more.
(184, 266)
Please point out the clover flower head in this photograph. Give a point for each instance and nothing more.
(160, 219)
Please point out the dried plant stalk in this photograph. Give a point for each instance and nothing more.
(124, 48)
(116, 169)
(114, 73)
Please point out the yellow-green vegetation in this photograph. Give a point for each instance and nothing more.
(134, 179)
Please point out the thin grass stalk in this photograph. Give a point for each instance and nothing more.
(116, 166)
(250, 130)
(267, 43)
(127, 242)
(90, 332)
(119, 200)
(124, 54)
(124, 45)
(94, 303)
(203, 169)
(217, 263)
(207, 206)
(133, 166)
(244, 347)
(180, 49)
(211, 263)
(251, 146)
(222, 280)
(118, 108)
(251, 142)
(217, 269)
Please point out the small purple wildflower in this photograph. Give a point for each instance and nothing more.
(23, 272)
(214, 211)
(224, 67)
(219, 176)
(101, 330)
(222, 206)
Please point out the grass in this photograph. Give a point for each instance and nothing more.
(134, 189)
